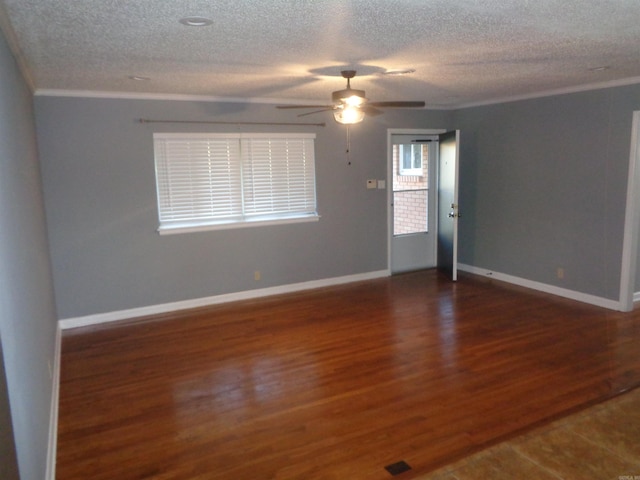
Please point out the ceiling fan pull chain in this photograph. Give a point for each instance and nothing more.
(348, 145)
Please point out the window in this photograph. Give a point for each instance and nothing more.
(207, 181)
(410, 159)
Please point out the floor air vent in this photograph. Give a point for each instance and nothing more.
(398, 468)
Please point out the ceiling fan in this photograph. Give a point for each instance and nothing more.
(350, 105)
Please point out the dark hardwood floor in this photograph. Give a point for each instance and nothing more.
(335, 383)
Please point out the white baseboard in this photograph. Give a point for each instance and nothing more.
(543, 287)
(636, 297)
(53, 415)
(100, 318)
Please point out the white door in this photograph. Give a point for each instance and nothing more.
(412, 185)
(448, 212)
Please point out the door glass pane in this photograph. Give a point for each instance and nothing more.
(410, 188)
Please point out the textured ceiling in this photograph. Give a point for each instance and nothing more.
(464, 52)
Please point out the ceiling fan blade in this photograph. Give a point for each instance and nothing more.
(304, 106)
(317, 111)
(397, 104)
(371, 111)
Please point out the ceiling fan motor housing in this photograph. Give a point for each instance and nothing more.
(349, 95)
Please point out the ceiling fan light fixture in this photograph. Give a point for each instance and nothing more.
(354, 101)
(348, 115)
(349, 96)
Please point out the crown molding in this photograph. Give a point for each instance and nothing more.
(559, 91)
(288, 101)
(49, 92)
(52, 92)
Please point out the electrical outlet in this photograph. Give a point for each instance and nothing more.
(257, 275)
(371, 183)
(560, 273)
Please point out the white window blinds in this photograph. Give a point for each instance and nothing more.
(215, 180)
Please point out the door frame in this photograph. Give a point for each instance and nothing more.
(390, 132)
(630, 243)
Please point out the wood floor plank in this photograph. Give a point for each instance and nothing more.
(333, 383)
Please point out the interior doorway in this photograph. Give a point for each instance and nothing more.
(632, 222)
(412, 179)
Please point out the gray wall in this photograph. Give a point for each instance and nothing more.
(99, 185)
(27, 312)
(543, 185)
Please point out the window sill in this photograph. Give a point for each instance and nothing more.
(236, 224)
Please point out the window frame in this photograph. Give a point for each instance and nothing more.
(415, 149)
(303, 176)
